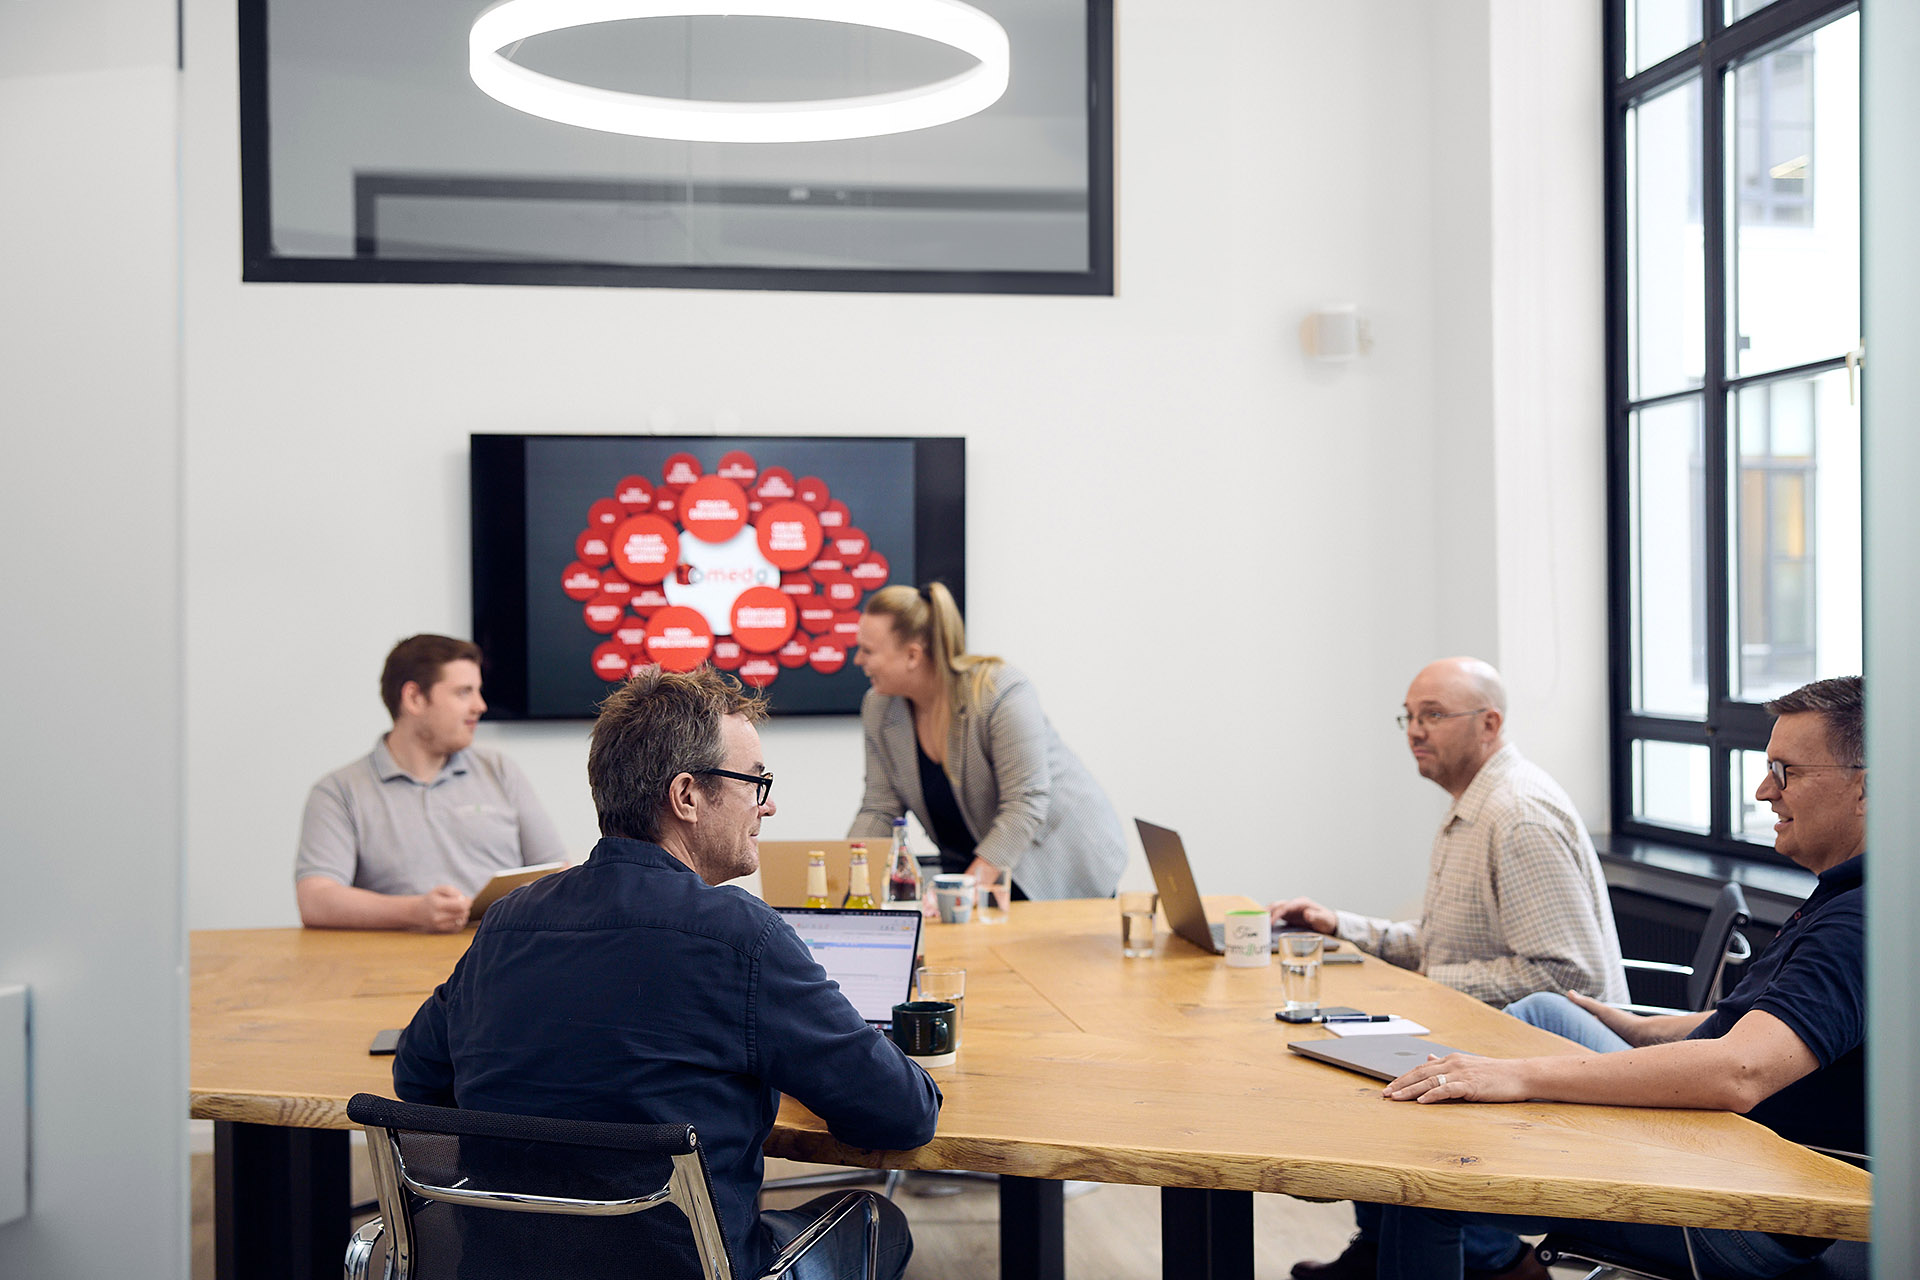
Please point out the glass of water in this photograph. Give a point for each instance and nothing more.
(1300, 973)
(946, 984)
(1137, 909)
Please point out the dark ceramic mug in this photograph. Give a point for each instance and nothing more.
(924, 1031)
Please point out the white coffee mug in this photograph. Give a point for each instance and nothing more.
(1248, 942)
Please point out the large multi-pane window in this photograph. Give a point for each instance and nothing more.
(1734, 301)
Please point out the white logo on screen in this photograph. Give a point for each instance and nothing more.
(717, 572)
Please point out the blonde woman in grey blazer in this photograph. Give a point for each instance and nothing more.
(960, 740)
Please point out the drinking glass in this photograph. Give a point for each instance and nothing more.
(949, 985)
(1300, 972)
(1137, 909)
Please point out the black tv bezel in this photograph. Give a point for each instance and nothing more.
(497, 519)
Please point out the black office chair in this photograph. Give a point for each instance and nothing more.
(1720, 941)
(483, 1196)
(1843, 1260)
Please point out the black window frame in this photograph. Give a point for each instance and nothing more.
(260, 263)
(1729, 725)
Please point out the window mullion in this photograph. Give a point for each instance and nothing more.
(1716, 250)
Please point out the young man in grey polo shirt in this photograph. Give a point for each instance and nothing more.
(402, 838)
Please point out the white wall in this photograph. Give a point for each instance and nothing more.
(1251, 558)
(90, 819)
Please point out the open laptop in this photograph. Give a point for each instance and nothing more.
(1173, 877)
(869, 953)
(1382, 1057)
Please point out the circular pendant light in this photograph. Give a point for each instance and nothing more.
(948, 22)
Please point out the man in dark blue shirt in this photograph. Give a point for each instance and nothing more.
(636, 987)
(1787, 1048)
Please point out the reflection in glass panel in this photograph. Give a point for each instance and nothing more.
(1752, 819)
(1741, 8)
(1795, 175)
(1658, 29)
(1666, 303)
(1796, 535)
(1670, 785)
(1667, 512)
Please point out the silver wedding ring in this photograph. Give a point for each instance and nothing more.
(1440, 1079)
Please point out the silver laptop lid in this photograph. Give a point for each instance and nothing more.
(1173, 877)
(1382, 1057)
(869, 953)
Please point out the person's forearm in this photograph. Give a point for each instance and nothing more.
(1700, 1074)
(327, 904)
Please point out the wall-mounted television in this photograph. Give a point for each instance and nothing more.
(596, 555)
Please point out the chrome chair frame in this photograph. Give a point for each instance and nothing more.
(1720, 942)
(687, 1188)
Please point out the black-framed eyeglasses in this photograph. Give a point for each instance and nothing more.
(1777, 769)
(762, 782)
(1428, 719)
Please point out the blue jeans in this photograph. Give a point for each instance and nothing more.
(1427, 1244)
(842, 1254)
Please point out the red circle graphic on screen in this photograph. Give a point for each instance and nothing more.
(758, 672)
(591, 547)
(794, 652)
(835, 515)
(738, 466)
(870, 572)
(602, 614)
(841, 591)
(583, 584)
(797, 583)
(713, 509)
(727, 654)
(612, 584)
(631, 631)
(816, 613)
(610, 661)
(846, 628)
(645, 549)
(813, 491)
(849, 544)
(776, 485)
(605, 514)
(648, 598)
(678, 638)
(634, 494)
(763, 618)
(666, 502)
(789, 535)
(680, 470)
(826, 656)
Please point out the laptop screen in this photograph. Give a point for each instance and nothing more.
(869, 953)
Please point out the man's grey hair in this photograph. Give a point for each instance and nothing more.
(655, 727)
(1841, 702)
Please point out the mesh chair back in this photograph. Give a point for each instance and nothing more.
(1710, 957)
(469, 1195)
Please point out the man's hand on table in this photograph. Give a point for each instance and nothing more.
(1462, 1077)
(1304, 913)
(443, 909)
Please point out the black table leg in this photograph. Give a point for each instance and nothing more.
(280, 1202)
(1032, 1229)
(1206, 1235)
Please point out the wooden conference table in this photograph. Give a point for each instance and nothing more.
(1167, 1071)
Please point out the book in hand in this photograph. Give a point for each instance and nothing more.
(505, 882)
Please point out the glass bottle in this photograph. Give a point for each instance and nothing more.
(817, 879)
(859, 888)
(903, 869)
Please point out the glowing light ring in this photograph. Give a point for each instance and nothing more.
(949, 22)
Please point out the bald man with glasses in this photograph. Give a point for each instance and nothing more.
(1515, 902)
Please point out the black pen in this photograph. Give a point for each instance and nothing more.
(1356, 1017)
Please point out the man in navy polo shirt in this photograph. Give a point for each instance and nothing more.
(639, 987)
(1786, 1049)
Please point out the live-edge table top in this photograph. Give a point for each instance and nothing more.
(1077, 1063)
